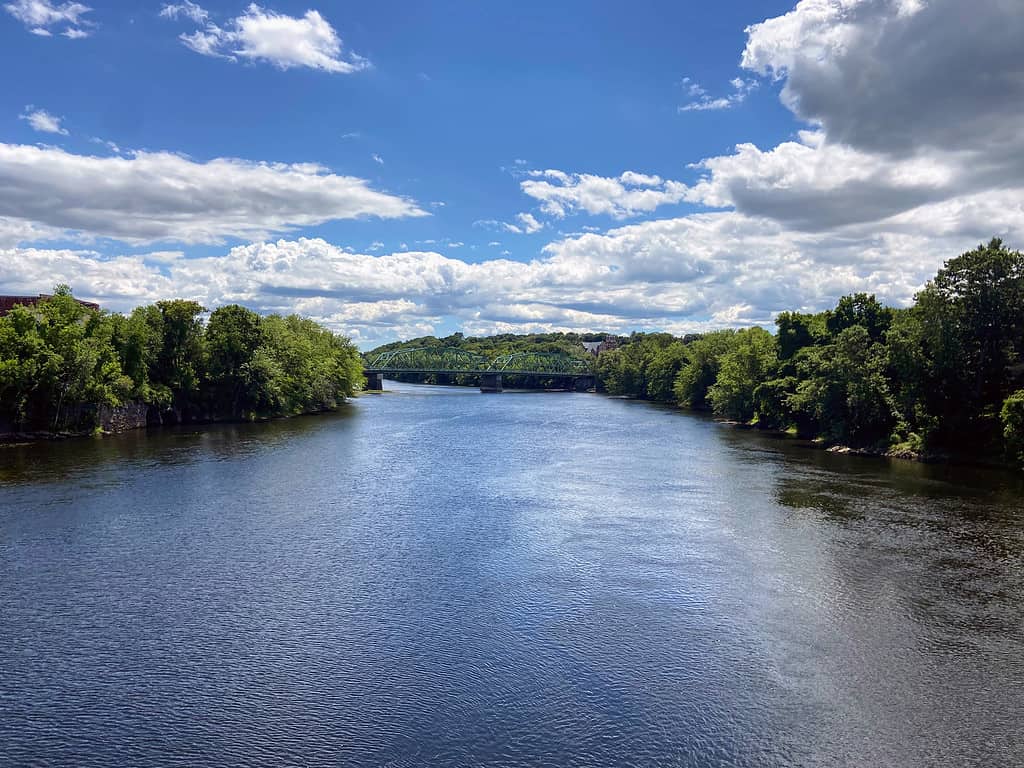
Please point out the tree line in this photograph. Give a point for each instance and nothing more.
(942, 377)
(61, 361)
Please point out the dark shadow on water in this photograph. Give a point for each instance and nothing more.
(59, 460)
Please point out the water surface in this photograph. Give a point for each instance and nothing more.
(438, 577)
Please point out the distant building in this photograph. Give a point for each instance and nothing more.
(596, 347)
(7, 303)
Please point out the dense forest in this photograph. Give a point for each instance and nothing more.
(944, 377)
(61, 362)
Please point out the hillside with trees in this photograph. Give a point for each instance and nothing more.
(61, 363)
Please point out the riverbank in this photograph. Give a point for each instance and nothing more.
(137, 416)
(900, 453)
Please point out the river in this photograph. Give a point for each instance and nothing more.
(437, 577)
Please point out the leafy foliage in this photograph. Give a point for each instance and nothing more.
(60, 360)
(1012, 415)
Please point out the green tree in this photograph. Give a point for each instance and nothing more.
(972, 335)
(179, 361)
(58, 361)
(701, 370)
(1012, 417)
(842, 394)
(751, 359)
(663, 370)
(859, 309)
(233, 334)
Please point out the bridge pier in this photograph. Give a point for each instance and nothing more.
(374, 381)
(490, 382)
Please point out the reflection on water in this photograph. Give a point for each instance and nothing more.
(437, 577)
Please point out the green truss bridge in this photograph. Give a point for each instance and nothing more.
(445, 362)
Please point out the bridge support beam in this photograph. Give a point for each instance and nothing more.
(374, 381)
(490, 382)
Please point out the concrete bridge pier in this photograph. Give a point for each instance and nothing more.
(374, 381)
(490, 382)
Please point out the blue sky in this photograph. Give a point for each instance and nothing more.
(393, 170)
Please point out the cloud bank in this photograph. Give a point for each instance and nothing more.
(910, 154)
(153, 196)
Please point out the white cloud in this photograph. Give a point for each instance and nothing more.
(815, 185)
(686, 274)
(896, 76)
(43, 121)
(377, 159)
(526, 223)
(629, 194)
(187, 9)
(701, 101)
(39, 16)
(259, 34)
(910, 106)
(150, 196)
(112, 146)
(16, 231)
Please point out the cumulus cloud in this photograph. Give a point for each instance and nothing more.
(629, 194)
(894, 76)
(43, 121)
(150, 196)
(41, 16)
(910, 106)
(263, 35)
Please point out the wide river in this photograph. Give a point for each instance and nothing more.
(435, 577)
